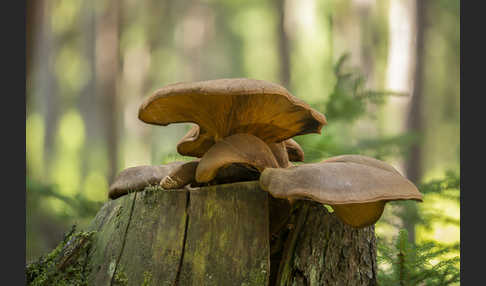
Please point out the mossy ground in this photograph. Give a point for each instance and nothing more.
(65, 265)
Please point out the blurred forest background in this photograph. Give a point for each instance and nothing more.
(384, 72)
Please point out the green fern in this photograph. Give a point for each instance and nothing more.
(405, 264)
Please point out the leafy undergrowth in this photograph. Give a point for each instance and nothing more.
(411, 264)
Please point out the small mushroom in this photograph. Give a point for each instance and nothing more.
(137, 178)
(294, 151)
(244, 149)
(181, 176)
(357, 187)
(185, 175)
(279, 151)
(288, 150)
(189, 145)
(225, 107)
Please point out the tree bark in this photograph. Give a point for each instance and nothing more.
(321, 250)
(231, 234)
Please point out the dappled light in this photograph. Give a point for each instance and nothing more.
(356, 62)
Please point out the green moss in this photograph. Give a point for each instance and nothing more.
(258, 276)
(65, 265)
(149, 195)
(118, 215)
(120, 278)
(147, 278)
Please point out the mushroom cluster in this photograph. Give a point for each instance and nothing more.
(243, 131)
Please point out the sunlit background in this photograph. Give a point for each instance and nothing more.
(90, 64)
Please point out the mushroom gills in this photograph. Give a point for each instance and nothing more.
(256, 107)
(235, 172)
(359, 215)
(185, 175)
(244, 149)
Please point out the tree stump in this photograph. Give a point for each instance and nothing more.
(224, 235)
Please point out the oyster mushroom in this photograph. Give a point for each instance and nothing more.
(225, 107)
(279, 151)
(244, 149)
(356, 187)
(291, 147)
(137, 178)
(185, 174)
(180, 176)
(260, 112)
(294, 151)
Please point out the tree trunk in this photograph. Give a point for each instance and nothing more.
(107, 67)
(415, 118)
(283, 44)
(321, 250)
(221, 235)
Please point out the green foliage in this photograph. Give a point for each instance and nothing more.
(349, 102)
(451, 181)
(82, 206)
(147, 278)
(447, 187)
(349, 98)
(65, 265)
(408, 264)
(411, 264)
(50, 214)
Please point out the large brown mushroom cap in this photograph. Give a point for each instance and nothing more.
(363, 160)
(357, 187)
(225, 107)
(337, 183)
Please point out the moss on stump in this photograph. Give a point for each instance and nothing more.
(217, 235)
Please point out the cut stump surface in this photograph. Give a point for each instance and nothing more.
(219, 235)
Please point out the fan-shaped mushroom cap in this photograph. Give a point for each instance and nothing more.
(243, 149)
(292, 149)
(137, 178)
(348, 186)
(183, 175)
(225, 107)
(364, 160)
(195, 142)
(295, 152)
